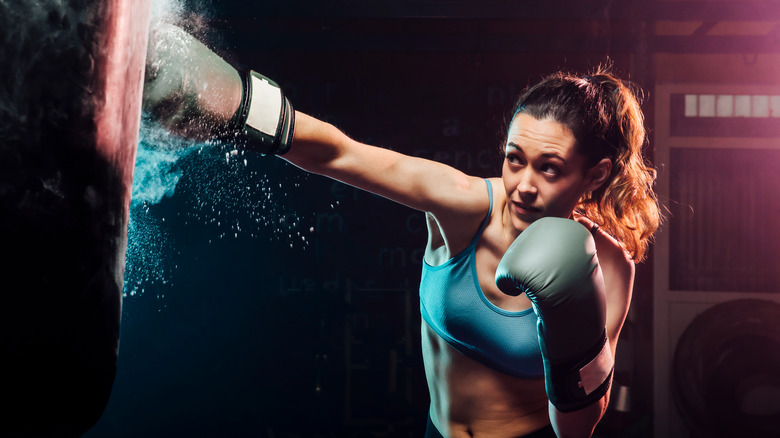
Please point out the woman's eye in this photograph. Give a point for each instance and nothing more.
(513, 159)
(551, 170)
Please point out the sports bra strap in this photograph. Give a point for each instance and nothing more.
(490, 211)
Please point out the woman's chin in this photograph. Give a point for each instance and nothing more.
(521, 223)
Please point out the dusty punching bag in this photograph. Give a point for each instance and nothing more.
(71, 75)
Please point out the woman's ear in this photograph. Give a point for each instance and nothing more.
(598, 174)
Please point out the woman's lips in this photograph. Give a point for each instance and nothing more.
(525, 209)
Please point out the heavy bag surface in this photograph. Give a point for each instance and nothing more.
(71, 79)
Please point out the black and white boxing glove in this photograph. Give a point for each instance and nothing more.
(195, 93)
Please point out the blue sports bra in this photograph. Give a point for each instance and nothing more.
(453, 304)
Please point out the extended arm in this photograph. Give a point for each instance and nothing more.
(426, 185)
(196, 94)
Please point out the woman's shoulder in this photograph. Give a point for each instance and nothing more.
(616, 263)
(498, 194)
(613, 257)
(455, 228)
(497, 204)
(617, 268)
(610, 251)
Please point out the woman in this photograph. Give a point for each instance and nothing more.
(573, 150)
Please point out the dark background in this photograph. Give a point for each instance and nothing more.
(261, 335)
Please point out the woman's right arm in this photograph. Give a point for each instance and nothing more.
(425, 185)
(195, 93)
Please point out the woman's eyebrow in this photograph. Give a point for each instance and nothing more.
(554, 155)
(550, 155)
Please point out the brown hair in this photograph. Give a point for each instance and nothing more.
(603, 112)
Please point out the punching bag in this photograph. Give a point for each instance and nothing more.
(71, 78)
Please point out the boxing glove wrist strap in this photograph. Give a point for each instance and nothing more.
(265, 117)
(577, 383)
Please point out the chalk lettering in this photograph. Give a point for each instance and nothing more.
(415, 223)
(451, 127)
(330, 222)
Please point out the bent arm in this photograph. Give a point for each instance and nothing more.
(618, 271)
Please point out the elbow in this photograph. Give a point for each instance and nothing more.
(580, 423)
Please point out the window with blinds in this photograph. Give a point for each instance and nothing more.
(725, 224)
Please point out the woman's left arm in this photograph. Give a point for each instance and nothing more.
(618, 271)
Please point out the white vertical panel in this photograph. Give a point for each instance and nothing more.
(760, 106)
(691, 105)
(706, 105)
(742, 106)
(724, 105)
(774, 106)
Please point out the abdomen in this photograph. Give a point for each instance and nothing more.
(470, 399)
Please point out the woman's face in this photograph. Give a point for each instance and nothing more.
(543, 173)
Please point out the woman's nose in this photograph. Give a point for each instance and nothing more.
(525, 182)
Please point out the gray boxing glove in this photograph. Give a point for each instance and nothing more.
(554, 263)
(194, 93)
